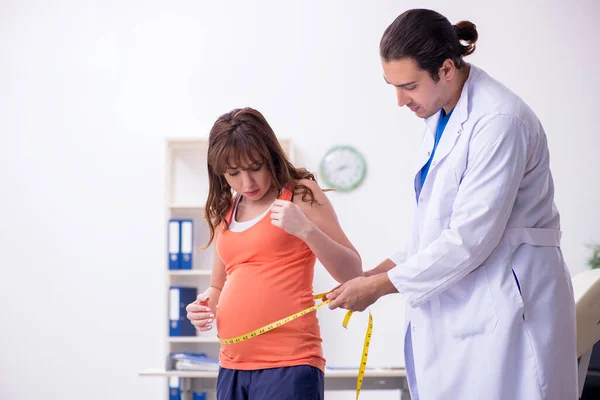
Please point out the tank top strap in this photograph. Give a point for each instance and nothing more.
(229, 215)
(287, 193)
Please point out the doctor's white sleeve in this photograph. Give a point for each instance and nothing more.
(495, 167)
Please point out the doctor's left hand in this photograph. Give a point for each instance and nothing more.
(355, 295)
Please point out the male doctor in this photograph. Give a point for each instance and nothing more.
(490, 312)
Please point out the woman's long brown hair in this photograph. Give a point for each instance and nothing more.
(237, 139)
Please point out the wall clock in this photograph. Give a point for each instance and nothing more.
(343, 168)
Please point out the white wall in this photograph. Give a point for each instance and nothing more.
(89, 91)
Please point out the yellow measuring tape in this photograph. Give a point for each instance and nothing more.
(283, 321)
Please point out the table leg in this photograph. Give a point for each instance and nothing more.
(584, 363)
(404, 392)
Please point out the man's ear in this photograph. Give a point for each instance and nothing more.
(447, 70)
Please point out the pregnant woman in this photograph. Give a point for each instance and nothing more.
(270, 221)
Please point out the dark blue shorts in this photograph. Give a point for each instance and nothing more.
(302, 382)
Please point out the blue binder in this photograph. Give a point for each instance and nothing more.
(174, 243)
(174, 390)
(179, 298)
(186, 243)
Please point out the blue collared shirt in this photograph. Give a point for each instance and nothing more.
(438, 135)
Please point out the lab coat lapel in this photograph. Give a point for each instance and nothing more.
(455, 125)
(426, 149)
(451, 132)
(427, 144)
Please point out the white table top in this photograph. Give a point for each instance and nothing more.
(341, 373)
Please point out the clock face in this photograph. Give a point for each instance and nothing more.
(343, 168)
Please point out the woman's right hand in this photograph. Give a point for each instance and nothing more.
(202, 311)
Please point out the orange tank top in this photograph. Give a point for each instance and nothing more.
(269, 276)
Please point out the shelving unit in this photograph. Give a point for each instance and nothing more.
(186, 191)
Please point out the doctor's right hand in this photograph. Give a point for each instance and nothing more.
(201, 312)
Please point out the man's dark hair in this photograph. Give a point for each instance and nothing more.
(429, 38)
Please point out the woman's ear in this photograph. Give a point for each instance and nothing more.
(224, 184)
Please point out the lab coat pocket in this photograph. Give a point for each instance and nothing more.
(467, 306)
(518, 287)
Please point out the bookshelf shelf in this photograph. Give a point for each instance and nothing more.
(191, 207)
(190, 272)
(374, 373)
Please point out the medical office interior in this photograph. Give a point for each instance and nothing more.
(105, 108)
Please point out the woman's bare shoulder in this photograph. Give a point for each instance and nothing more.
(317, 192)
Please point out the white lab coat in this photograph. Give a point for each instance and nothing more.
(490, 308)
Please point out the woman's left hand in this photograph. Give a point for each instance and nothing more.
(289, 217)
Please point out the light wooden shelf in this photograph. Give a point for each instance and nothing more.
(190, 272)
(370, 373)
(190, 207)
(181, 374)
(192, 339)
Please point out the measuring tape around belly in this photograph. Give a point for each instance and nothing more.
(283, 321)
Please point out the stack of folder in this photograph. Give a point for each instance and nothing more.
(191, 362)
